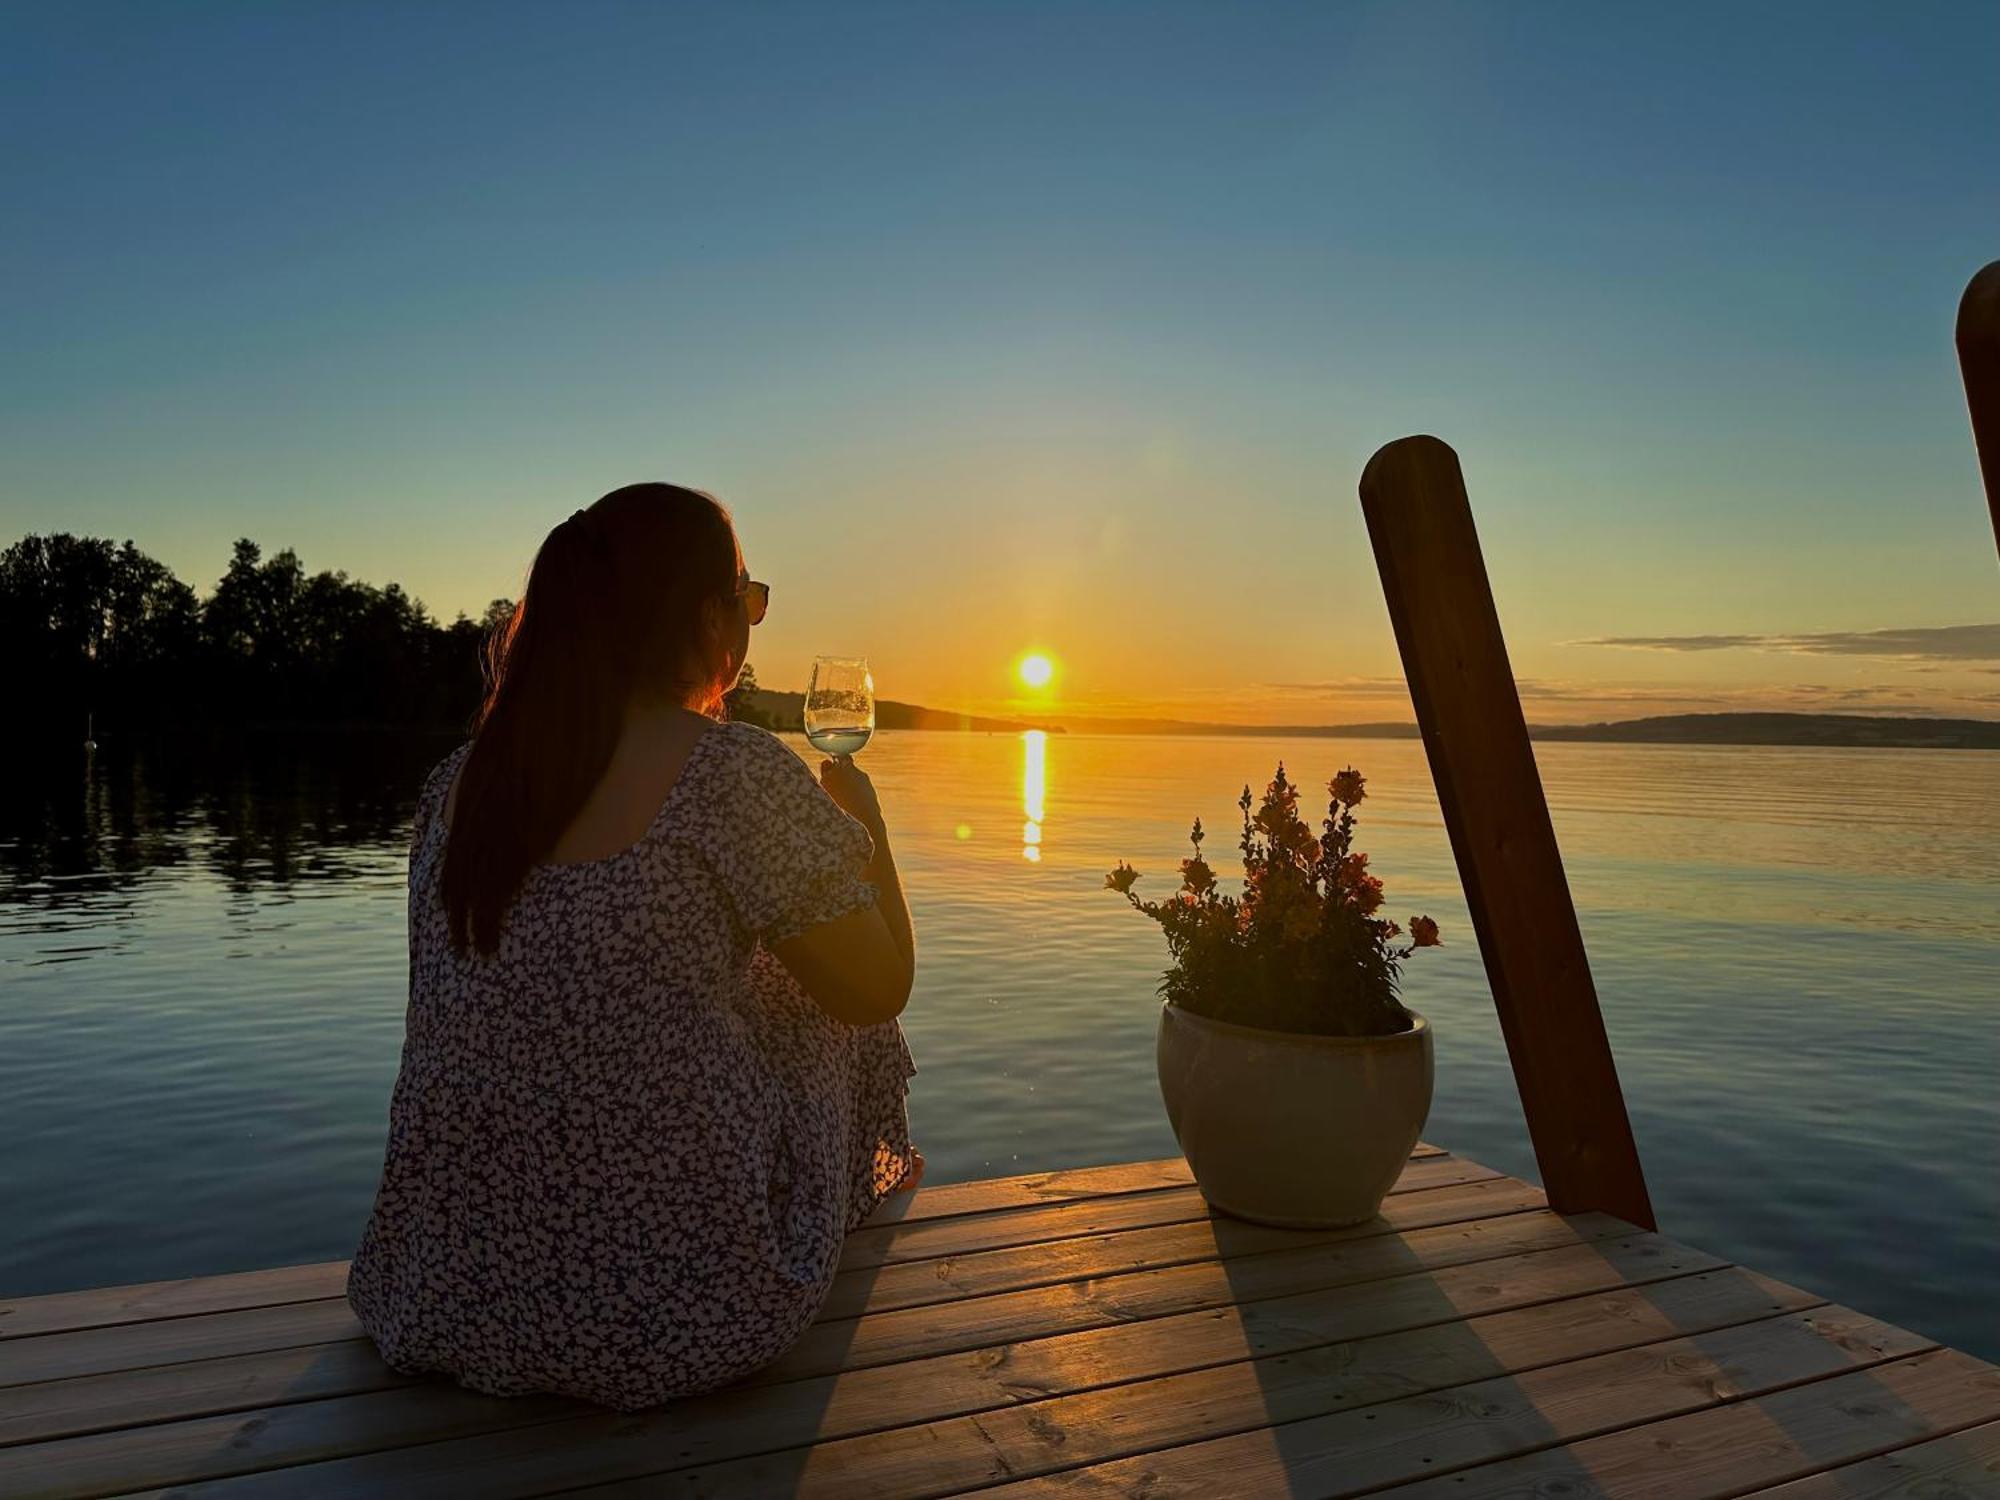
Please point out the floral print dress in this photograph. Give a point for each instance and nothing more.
(624, 1148)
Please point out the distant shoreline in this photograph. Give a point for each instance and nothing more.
(783, 710)
(779, 711)
(1845, 731)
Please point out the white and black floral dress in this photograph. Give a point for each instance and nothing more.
(625, 1147)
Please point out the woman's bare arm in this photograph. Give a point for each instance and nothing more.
(859, 968)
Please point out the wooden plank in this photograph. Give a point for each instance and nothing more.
(885, 1338)
(1020, 1267)
(1626, 1281)
(69, 1407)
(871, 1245)
(102, 1307)
(1469, 713)
(1978, 338)
(1396, 1442)
(108, 1463)
(1962, 1466)
(1066, 1185)
(58, 1312)
(1574, 1362)
(202, 1387)
(100, 1350)
(1753, 1444)
(93, 1351)
(1030, 1188)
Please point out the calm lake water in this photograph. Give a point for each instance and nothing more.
(1798, 951)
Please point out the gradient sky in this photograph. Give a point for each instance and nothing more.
(1058, 326)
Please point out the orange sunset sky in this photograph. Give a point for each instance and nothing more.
(1061, 328)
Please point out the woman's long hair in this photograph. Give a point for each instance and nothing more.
(613, 606)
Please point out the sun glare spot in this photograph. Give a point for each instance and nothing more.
(1036, 670)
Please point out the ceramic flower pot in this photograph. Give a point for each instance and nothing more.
(1308, 1132)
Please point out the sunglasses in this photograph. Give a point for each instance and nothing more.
(759, 597)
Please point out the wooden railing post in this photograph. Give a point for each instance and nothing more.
(1469, 712)
(1979, 363)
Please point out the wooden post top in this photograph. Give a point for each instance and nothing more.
(1979, 364)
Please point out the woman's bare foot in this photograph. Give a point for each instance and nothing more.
(912, 1177)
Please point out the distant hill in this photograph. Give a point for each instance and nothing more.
(1191, 726)
(786, 711)
(1669, 729)
(1786, 729)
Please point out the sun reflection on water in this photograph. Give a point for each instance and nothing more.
(1034, 787)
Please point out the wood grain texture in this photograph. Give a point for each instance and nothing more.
(1469, 1343)
(1457, 1363)
(1604, 1280)
(979, 1273)
(57, 1312)
(95, 1351)
(1469, 712)
(170, 1392)
(876, 1245)
(106, 1307)
(1748, 1444)
(980, 1322)
(1964, 1466)
(61, 1408)
(1477, 1424)
(102, 1349)
(1978, 338)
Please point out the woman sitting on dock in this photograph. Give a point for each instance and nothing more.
(652, 1073)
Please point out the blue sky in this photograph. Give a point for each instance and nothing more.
(1036, 325)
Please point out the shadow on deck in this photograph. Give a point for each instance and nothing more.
(1091, 1332)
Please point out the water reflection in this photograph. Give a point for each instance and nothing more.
(257, 811)
(1034, 787)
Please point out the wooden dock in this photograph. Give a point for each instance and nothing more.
(1091, 1332)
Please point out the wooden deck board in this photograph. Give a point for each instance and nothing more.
(104, 1348)
(1958, 1467)
(751, 1420)
(124, 1398)
(890, 1244)
(102, 1307)
(1090, 1332)
(1398, 1441)
(1751, 1444)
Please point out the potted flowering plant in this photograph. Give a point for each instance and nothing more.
(1295, 1079)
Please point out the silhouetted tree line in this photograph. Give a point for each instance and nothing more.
(102, 629)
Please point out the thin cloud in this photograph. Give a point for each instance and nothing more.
(1957, 643)
(1332, 686)
(1679, 642)
(1549, 700)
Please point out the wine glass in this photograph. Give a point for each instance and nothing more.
(840, 704)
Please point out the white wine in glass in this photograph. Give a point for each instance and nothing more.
(840, 705)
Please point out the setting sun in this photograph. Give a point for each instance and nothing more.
(1036, 670)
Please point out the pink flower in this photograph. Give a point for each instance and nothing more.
(1308, 906)
(1367, 896)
